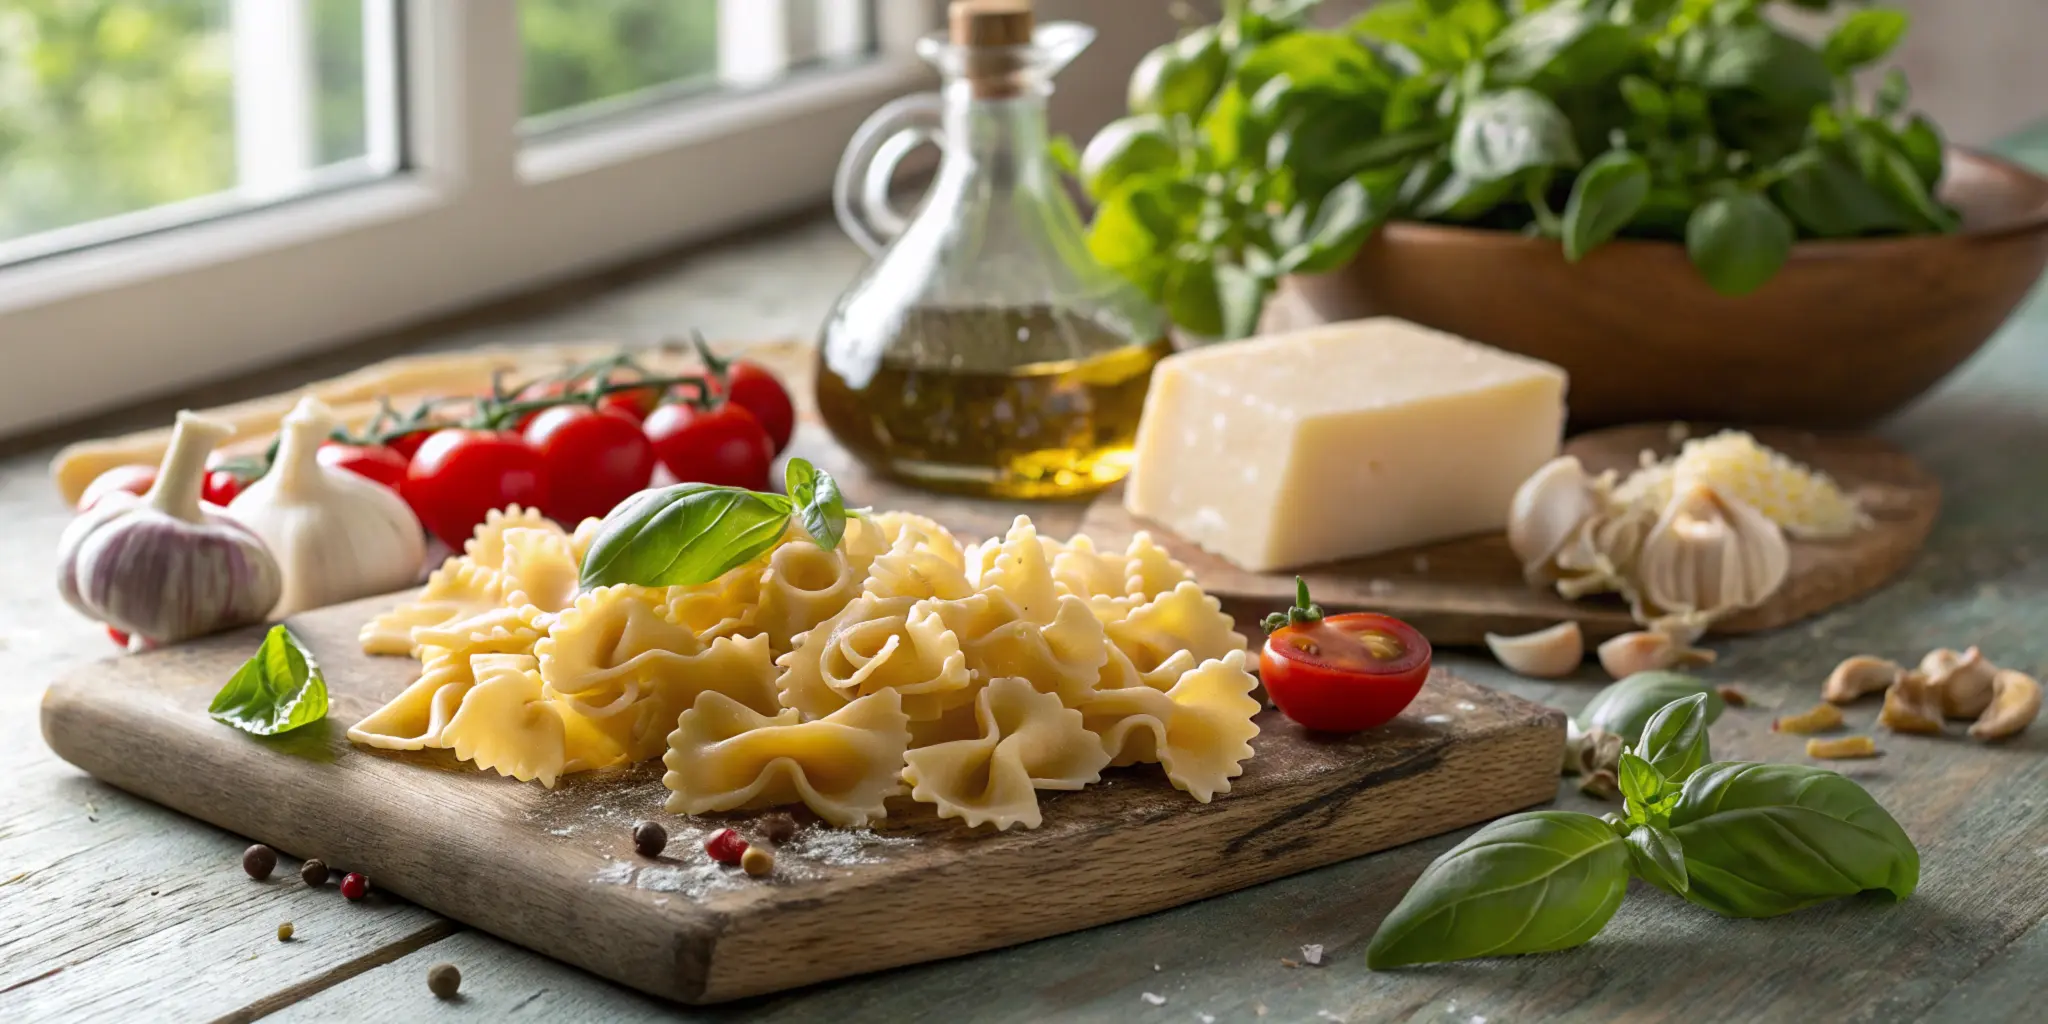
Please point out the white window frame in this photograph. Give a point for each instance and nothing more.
(478, 212)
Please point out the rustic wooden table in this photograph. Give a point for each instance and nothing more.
(113, 908)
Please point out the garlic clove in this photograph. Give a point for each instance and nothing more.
(2016, 700)
(1711, 554)
(1651, 650)
(1912, 705)
(1857, 676)
(1963, 678)
(1547, 509)
(1544, 654)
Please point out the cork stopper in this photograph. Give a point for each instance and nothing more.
(991, 33)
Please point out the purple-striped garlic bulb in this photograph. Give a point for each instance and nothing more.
(162, 567)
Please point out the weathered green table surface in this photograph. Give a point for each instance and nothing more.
(112, 908)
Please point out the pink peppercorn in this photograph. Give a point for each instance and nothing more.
(355, 886)
(725, 846)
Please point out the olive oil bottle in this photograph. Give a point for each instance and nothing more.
(985, 351)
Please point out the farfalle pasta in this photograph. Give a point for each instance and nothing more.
(897, 662)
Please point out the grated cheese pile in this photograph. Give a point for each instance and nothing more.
(1804, 502)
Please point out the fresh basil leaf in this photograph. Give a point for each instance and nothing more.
(1124, 148)
(819, 505)
(1335, 63)
(1768, 839)
(1892, 96)
(1738, 241)
(1606, 196)
(1658, 857)
(1828, 197)
(1223, 127)
(1441, 34)
(1645, 99)
(1412, 102)
(1460, 198)
(1137, 227)
(277, 690)
(1180, 77)
(1504, 133)
(684, 535)
(1675, 738)
(1330, 236)
(1641, 782)
(1562, 46)
(1755, 57)
(1863, 38)
(1528, 883)
(1240, 299)
(1060, 150)
(1921, 143)
(1896, 177)
(1625, 707)
(1191, 299)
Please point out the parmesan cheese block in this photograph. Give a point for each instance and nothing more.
(1339, 441)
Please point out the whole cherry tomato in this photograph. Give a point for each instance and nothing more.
(751, 387)
(408, 445)
(373, 461)
(537, 391)
(460, 475)
(637, 403)
(221, 486)
(723, 444)
(591, 460)
(1341, 673)
(135, 479)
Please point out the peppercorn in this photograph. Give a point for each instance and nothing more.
(314, 871)
(649, 838)
(354, 885)
(725, 846)
(443, 980)
(757, 861)
(284, 932)
(259, 861)
(779, 828)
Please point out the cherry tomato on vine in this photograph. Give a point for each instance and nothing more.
(372, 461)
(590, 459)
(459, 475)
(637, 403)
(751, 387)
(221, 486)
(408, 445)
(721, 445)
(539, 390)
(135, 479)
(1341, 673)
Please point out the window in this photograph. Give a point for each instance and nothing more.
(194, 187)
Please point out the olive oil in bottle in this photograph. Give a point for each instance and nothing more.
(1011, 425)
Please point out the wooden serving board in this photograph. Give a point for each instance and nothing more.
(555, 870)
(1458, 591)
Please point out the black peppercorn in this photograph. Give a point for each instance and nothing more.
(259, 861)
(314, 871)
(779, 828)
(443, 980)
(649, 838)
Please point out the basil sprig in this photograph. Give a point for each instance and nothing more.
(694, 533)
(1743, 840)
(277, 690)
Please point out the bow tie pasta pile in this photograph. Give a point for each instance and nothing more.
(971, 676)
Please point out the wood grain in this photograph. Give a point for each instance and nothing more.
(555, 870)
(1458, 591)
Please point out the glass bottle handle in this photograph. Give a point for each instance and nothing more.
(860, 191)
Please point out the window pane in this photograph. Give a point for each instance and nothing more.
(588, 58)
(181, 108)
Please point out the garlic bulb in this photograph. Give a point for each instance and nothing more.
(162, 567)
(337, 536)
(1711, 554)
(1548, 509)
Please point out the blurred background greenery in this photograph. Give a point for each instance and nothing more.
(110, 106)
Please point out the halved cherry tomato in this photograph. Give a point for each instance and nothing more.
(119, 638)
(371, 461)
(722, 445)
(459, 475)
(1341, 673)
(591, 460)
(135, 479)
(751, 387)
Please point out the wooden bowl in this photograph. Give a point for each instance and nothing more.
(1846, 333)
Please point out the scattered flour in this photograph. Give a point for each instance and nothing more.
(1154, 998)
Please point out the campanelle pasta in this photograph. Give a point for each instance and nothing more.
(970, 677)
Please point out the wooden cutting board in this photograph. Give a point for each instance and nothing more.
(1458, 591)
(555, 870)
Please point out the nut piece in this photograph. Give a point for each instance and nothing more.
(1544, 654)
(444, 980)
(1963, 679)
(1652, 650)
(757, 861)
(1820, 718)
(1842, 749)
(1857, 676)
(1733, 696)
(2015, 700)
(1912, 705)
(259, 861)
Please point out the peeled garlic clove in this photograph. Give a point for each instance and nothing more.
(1854, 677)
(1650, 651)
(2015, 701)
(1711, 554)
(1544, 654)
(1548, 507)
(1963, 678)
(1912, 705)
